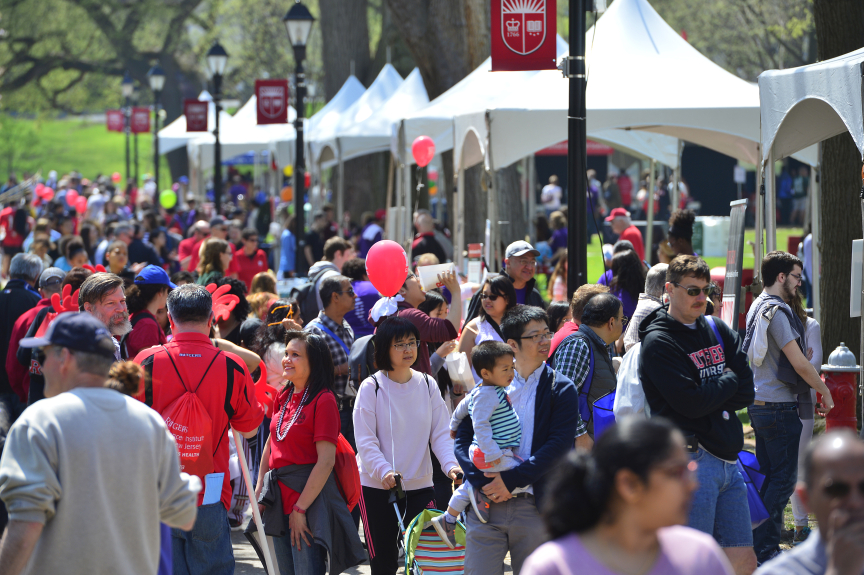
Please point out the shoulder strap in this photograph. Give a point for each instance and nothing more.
(377, 385)
(426, 377)
(710, 320)
(320, 324)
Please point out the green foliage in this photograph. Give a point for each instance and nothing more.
(18, 142)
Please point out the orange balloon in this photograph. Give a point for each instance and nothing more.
(287, 194)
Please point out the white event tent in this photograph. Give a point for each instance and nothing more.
(801, 107)
(174, 135)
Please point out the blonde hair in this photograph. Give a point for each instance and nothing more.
(427, 260)
(260, 303)
(264, 282)
(210, 250)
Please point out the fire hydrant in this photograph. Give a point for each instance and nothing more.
(840, 375)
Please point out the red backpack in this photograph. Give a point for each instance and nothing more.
(191, 426)
(347, 473)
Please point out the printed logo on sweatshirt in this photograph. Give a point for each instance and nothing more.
(710, 361)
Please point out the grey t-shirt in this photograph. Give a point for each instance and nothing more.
(768, 387)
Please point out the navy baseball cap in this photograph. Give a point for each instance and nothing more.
(78, 331)
(218, 221)
(153, 275)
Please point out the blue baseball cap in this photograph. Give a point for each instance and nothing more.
(154, 275)
(78, 331)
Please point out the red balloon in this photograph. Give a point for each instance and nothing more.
(116, 177)
(423, 150)
(81, 204)
(47, 194)
(387, 267)
(38, 189)
(71, 196)
(307, 180)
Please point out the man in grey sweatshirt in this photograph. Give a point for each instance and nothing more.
(88, 473)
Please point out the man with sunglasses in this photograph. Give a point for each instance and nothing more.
(694, 373)
(832, 488)
(783, 376)
(250, 258)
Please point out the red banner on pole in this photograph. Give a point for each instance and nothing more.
(140, 121)
(115, 121)
(523, 35)
(560, 149)
(196, 115)
(272, 97)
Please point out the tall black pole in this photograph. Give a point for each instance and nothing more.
(577, 161)
(299, 159)
(126, 128)
(156, 137)
(217, 149)
(135, 141)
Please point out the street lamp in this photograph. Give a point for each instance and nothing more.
(127, 87)
(156, 77)
(217, 60)
(298, 22)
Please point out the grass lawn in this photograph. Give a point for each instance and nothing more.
(89, 148)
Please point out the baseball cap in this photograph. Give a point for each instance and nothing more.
(380, 214)
(78, 331)
(617, 213)
(218, 221)
(183, 180)
(153, 275)
(190, 197)
(520, 248)
(51, 276)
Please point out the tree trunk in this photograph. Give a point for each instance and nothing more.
(510, 207)
(839, 30)
(345, 39)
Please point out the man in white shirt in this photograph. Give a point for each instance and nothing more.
(550, 196)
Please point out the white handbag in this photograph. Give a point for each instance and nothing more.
(630, 397)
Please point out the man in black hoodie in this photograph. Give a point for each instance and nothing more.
(695, 374)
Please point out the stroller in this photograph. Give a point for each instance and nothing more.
(424, 550)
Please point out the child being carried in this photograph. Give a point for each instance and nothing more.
(497, 432)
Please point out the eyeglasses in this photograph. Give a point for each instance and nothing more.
(678, 471)
(252, 240)
(797, 277)
(490, 297)
(840, 489)
(623, 319)
(407, 345)
(349, 291)
(545, 336)
(694, 291)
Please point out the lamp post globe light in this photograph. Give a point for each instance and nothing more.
(127, 88)
(156, 77)
(298, 21)
(217, 60)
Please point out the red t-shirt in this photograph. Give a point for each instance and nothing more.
(318, 421)
(634, 236)
(184, 248)
(193, 263)
(248, 267)
(145, 333)
(568, 328)
(227, 394)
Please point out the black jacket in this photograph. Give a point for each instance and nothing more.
(15, 299)
(140, 252)
(682, 373)
(532, 297)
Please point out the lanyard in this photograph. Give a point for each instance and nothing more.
(320, 324)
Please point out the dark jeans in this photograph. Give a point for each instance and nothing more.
(778, 433)
(309, 560)
(206, 550)
(381, 526)
(10, 409)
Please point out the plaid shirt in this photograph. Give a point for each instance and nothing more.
(340, 356)
(573, 361)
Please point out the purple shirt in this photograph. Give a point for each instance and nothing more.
(365, 296)
(520, 294)
(558, 240)
(627, 302)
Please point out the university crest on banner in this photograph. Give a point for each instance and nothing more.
(272, 97)
(523, 35)
(115, 120)
(196, 115)
(140, 120)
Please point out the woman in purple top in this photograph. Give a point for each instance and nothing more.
(558, 241)
(620, 509)
(365, 296)
(628, 279)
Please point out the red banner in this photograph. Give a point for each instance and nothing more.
(523, 35)
(196, 115)
(560, 149)
(272, 97)
(115, 121)
(140, 120)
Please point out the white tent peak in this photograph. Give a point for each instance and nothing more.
(341, 101)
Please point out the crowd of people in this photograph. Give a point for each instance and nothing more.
(340, 403)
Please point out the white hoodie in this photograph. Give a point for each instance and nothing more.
(394, 428)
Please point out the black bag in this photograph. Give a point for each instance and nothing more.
(306, 296)
(361, 361)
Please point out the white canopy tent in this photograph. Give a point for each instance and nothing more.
(174, 135)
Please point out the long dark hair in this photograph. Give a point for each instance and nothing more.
(627, 273)
(581, 490)
(139, 296)
(501, 286)
(321, 375)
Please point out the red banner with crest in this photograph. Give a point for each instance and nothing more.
(523, 35)
(196, 115)
(140, 120)
(272, 98)
(114, 120)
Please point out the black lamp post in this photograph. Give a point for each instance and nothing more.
(298, 22)
(136, 95)
(157, 81)
(217, 59)
(128, 87)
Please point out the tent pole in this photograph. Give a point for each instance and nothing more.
(760, 224)
(389, 197)
(649, 217)
(770, 204)
(676, 180)
(532, 197)
(815, 241)
(340, 191)
(461, 246)
(861, 351)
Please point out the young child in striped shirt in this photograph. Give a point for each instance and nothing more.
(497, 432)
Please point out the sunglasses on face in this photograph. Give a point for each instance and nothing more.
(39, 355)
(694, 291)
(841, 489)
(349, 291)
(489, 296)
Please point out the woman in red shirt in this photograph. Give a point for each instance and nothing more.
(304, 430)
(148, 294)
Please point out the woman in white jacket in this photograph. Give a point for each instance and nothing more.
(398, 416)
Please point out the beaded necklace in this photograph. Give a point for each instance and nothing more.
(281, 436)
